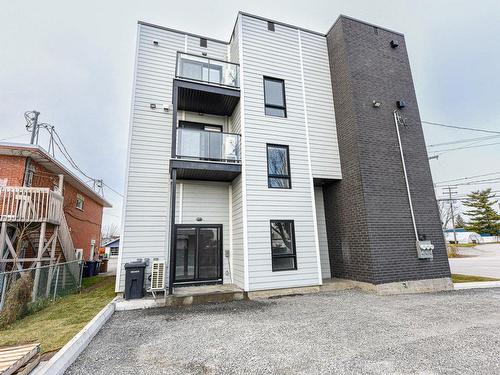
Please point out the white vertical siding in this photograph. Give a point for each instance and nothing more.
(275, 54)
(146, 204)
(320, 113)
(214, 49)
(210, 201)
(323, 241)
(238, 235)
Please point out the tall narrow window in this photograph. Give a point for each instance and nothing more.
(203, 42)
(278, 167)
(283, 251)
(274, 97)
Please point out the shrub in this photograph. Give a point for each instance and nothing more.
(452, 251)
(17, 300)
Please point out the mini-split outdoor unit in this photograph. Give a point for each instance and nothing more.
(157, 277)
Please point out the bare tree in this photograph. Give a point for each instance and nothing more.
(110, 231)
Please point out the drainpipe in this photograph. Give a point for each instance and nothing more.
(172, 232)
(396, 122)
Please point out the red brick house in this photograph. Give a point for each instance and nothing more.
(30, 184)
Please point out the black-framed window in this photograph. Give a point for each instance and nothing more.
(284, 255)
(270, 26)
(278, 167)
(274, 97)
(203, 42)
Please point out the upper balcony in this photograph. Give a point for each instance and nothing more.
(207, 70)
(206, 85)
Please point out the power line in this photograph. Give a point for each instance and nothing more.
(110, 188)
(465, 147)
(488, 137)
(478, 182)
(460, 127)
(468, 177)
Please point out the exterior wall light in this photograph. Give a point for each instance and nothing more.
(376, 103)
(152, 106)
(400, 104)
(394, 44)
(199, 219)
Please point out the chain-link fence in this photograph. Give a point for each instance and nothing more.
(49, 282)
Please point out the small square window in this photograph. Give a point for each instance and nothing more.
(284, 255)
(270, 26)
(203, 42)
(274, 97)
(79, 201)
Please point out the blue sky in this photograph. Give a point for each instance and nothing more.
(73, 61)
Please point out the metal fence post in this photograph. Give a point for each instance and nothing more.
(55, 286)
(81, 275)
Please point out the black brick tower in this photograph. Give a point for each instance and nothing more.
(370, 231)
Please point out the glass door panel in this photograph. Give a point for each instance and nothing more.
(208, 253)
(185, 254)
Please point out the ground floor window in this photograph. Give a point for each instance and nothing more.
(283, 245)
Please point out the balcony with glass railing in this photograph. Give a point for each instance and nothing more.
(206, 145)
(207, 70)
(206, 155)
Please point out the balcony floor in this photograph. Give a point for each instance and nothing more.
(205, 170)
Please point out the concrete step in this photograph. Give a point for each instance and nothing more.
(184, 296)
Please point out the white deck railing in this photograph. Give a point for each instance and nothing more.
(27, 204)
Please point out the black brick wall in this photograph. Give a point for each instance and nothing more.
(370, 232)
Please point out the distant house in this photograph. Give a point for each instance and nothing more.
(112, 248)
(64, 214)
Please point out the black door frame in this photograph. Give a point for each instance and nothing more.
(219, 278)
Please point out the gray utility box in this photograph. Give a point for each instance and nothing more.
(134, 280)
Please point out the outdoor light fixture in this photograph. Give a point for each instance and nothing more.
(394, 44)
(400, 104)
(376, 103)
(152, 106)
(199, 219)
(155, 42)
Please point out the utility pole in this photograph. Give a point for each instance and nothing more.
(34, 131)
(450, 190)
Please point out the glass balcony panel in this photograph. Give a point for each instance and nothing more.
(207, 70)
(208, 145)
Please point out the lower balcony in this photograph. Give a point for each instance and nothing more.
(206, 155)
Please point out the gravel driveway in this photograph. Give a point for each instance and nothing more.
(340, 332)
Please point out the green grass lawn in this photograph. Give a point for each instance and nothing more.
(457, 278)
(56, 324)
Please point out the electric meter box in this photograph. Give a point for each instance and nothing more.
(424, 249)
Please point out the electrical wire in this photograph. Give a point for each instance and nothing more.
(56, 140)
(465, 147)
(487, 138)
(460, 127)
(110, 188)
(478, 182)
(469, 177)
